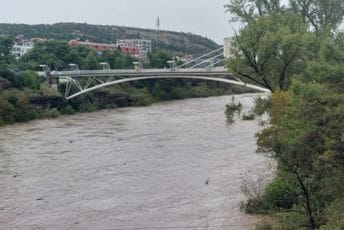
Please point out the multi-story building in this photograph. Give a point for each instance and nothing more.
(22, 46)
(100, 47)
(143, 45)
(93, 45)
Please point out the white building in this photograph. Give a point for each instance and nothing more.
(227, 47)
(143, 45)
(20, 48)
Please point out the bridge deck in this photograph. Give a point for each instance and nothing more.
(142, 72)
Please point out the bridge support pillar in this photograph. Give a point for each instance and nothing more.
(53, 82)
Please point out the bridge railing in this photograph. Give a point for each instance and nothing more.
(130, 71)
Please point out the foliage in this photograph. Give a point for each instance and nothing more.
(159, 58)
(248, 10)
(57, 55)
(295, 49)
(306, 127)
(270, 51)
(67, 110)
(261, 105)
(6, 57)
(231, 109)
(23, 79)
(249, 116)
(323, 15)
(140, 97)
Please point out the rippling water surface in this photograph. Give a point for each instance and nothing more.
(173, 165)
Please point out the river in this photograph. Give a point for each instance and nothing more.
(172, 165)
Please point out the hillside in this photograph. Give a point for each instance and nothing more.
(185, 43)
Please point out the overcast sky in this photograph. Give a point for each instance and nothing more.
(203, 17)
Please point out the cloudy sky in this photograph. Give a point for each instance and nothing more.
(203, 17)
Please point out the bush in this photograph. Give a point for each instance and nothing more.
(335, 215)
(67, 110)
(25, 113)
(140, 97)
(231, 109)
(248, 117)
(261, 105)
(280, 194)
(51, 113)
(263, 226)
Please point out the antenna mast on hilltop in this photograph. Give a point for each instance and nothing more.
(157, 20)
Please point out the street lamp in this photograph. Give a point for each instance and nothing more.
(105, 65)
(45, 68)
(171, 64)
(136, 65)
(73, 66)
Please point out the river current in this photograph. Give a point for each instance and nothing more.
(172, 165)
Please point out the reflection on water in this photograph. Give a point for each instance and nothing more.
(175, 164)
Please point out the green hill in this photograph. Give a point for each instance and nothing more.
(179, 42)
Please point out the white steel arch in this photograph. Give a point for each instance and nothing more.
(162, 77)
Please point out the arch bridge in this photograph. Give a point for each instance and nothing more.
(200, 68)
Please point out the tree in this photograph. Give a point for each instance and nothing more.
(159, 58)
(270, 50)
(248, 10)
(6, 58)
(51, 53)
(324, 16)
(91, 62)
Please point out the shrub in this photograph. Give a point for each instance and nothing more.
(248, 117)
(51, 113)
(280, 193)
(67, 110)
(263, 226)
(140, 97)
(231, 109)
(261, 105)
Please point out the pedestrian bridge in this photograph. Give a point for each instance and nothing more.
(79, 82)
(88, 80)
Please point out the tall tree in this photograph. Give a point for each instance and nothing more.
(6, 58)
(270, 50)
(248, 10)
(323, 15)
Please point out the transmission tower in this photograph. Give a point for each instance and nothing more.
(157, 20)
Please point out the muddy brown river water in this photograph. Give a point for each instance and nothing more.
(172, 165)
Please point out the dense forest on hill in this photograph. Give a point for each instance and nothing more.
(185, 43)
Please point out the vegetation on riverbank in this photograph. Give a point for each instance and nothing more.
(297, 50)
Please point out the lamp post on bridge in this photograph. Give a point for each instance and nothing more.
(171, 64)
(53, 82)
(46, 71)
(73, 66)
(105, 65)
(137, 65)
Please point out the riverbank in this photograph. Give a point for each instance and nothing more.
(23, 104)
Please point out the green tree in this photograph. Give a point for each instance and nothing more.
(322, 15)
(270, 50)
(248, 10)
(6, 58)
(159, 58)
(91, 62)
(51, 53)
